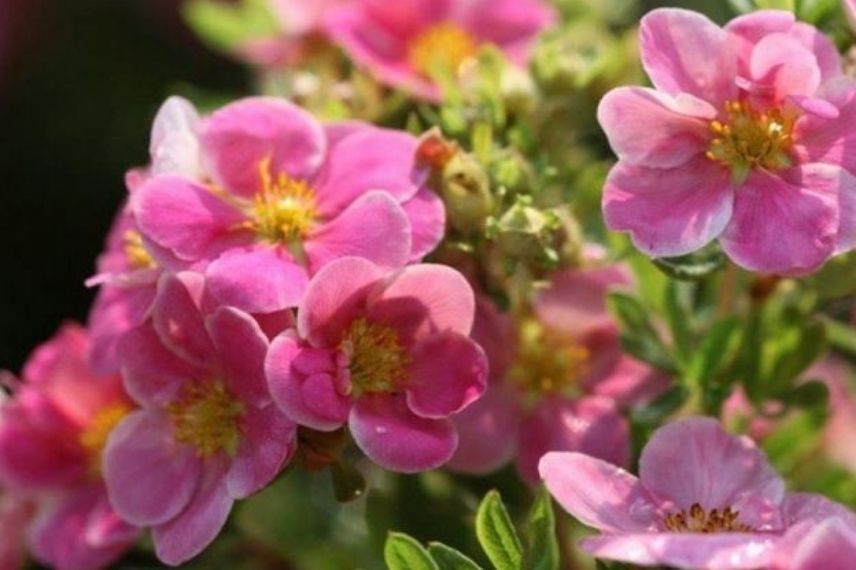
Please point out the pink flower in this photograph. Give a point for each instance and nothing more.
(703, 499)
(409, 43)
(16, 513)
(52, 433)
(747, 139)
(850, 12)
(281, 197)
(828, 545)
(558, 383)
(388, 354)
(206, 434)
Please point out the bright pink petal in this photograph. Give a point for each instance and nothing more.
(104, 527)
(783, 65)
(178, 321)
(241, 348)
(493, 418)
(513, 25)
(391, 436)
(268, 440)
(115, 311)
(427, 217)
(174, 146)
(669, 212)
(832, 141)
(622, 378)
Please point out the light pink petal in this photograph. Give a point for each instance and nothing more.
(115, 311)
(260, 279)
(782, 64)
(240, 136)
(823, 48)
(174, 146)
(178, 321)
(374, 227)
(150, 477)
(684, 52)
(597, 493)
(104, 527)
(513, 25)
(493, 418)
(391, 436)
(447, 373)
(669, 212)
(427, 217)
(802, 507)
(241, 348)
(828, 544)
(268, 440)
(649, 128)
(785, 224)
(183, 537)
(833, 141)
(624, 379)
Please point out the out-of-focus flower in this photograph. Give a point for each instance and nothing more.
(748, 138)
(850, 12)
(388, 354)
(52, 435)
(558, 383)
(281, 197)
(828, 545)
(16, 513)
(703, 499)
(207, 432)
(410, 44)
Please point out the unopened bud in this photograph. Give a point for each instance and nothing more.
(518, 90)
(465, 189)
(526, 232)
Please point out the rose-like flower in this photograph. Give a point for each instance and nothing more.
(52, 434)
(207, 432)
(704, 499)
(747, 139)
(410, 43)
(280, 197)
(388, 354)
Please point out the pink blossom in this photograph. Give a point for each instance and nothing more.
(52, 433)
(407, 44)
(388, 354)
(207, 432)
(16, 513)
(850, 12)
(747, 139)
(558, 383)
(281, 196)
(703, 499)
(829, 545)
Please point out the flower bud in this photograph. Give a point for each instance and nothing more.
(526, 233)
(518, 90)
(465, 189)
(570, 58)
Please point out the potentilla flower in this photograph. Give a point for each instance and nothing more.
(558, 383)
(207, 432)
(704, 499)
(282, 196)
(52, 434)
(747, 139)
(412, 43)
(388, 354)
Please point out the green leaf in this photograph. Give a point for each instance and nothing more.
(663, 406)
(841, 336)
(693, 267)
(716, 352)
(789, 5)
(496, 534)
(447, 558)
(679, 313)
(542, 549)
(403, 552)
(742, 6)
(225, 26)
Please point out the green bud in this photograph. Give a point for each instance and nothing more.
(518, 90)
(571, 57)
(526, 233)
(465, 189)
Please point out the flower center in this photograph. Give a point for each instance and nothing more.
(284, 211)
(441, 49)
(751, 139)
(376, 360)
(548, 362)
(94, 436)
(699, 520)
(135, 251)
(206, 417)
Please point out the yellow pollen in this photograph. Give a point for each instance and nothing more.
(135, 251)
(749, 139)
(548, 362)
(206, 417)
(284, 211)
(701, 521)
(376, 360)
(94, 436)
(441, 49)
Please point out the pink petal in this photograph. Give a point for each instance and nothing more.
(241, 348)
(391, 436)
(785, 224)
(493, 418)
(832, 141)
(268, 440)
(625, 380)
(104, 527)
(150, 477)
(374, 227)
(174, 146)
(275, 323)
(427, 217)
(850, 12)
(115, 311)
(829, 544)
(63, 355)
(496, 333)
(808, 507)
(669, 212)
(781, 63)
(597, 493)
(178, 321)
(513, 25)
(648, 128)
(448, 373)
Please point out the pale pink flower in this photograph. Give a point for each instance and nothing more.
(282, 196)
(557, 384)
(16, 513)
(850, 12)
(207, 432)
(703, 499)
(407, 43)
(388, 354)
(52, 433)
(747, 139)
(829, 544)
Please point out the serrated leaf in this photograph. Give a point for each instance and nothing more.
(447, 558)
(496, 534)
(542, 549)
(403, 552)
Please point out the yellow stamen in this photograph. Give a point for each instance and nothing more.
(94, 436)
(377, 361)
(206, 417)
(701, 521)
(135, 251)
(548, 362)
(284, 211)
(441, 49)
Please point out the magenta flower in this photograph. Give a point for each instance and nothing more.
(703, 499)
(829, 544)
(52, 433)
(206, 434)
(388, 354)
(283, 196)
(747, 139)
(559, 384)
(410, 43)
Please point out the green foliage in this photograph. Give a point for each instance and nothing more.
(497, 535)
(447, 558)
(542, 549)
(226, 26)
(403, 552)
